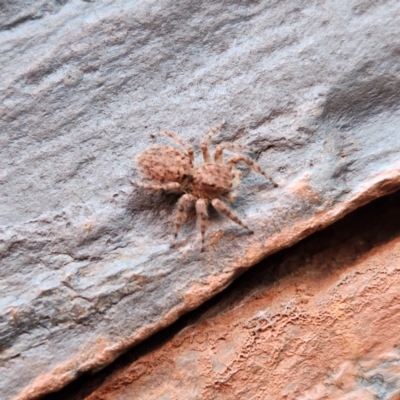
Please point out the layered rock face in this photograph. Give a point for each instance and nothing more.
(86, 267)
(317, 321)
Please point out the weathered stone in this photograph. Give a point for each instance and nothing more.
(317, 321)
(86, 268)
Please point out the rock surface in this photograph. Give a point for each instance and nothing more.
(86, 269)
(317, 321)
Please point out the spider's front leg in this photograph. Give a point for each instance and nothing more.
(206, 139)
(247, 160)
(171, 187)
(229, 146)
(224, 209)
(183, 202)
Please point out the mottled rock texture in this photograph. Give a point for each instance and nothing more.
(86, 270)
(315, 322)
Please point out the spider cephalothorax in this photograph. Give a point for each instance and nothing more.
(172, 170)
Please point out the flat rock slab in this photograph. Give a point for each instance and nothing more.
(86, 266)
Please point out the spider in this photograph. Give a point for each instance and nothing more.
(171, 170)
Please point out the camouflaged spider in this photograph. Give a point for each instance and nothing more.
(172, 170)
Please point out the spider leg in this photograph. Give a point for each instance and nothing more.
(224, 209)
(201, 210)
(231, 195)
(229, 146)
(241, 157)
(183, 202)
(172, 135)
(206, 139)
(172, 187)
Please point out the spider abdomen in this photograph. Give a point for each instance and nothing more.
(164, 164)
(212, 180)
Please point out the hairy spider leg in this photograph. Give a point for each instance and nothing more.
(224, 209)
(229, 146)
(201, 210)
(183, 202)
(231, 195)
(206, 139)
(184, 144)
(247, 160)
(172, 187)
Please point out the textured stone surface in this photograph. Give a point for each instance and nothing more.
(86, 269)
(317, 321)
